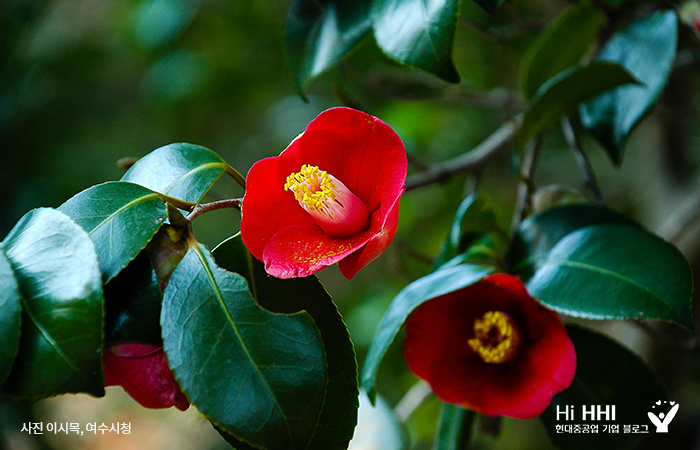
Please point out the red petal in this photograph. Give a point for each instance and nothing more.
(361, 151)
(376, 245)
(435, 350)
(299, 251)
(142, 371)
(267, 208)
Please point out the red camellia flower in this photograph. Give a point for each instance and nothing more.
(142, 371)
(331, 196)
(491, 348)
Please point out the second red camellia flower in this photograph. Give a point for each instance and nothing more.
(491, 348)
(142, 371)
(331, 197)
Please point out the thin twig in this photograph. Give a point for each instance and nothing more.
(499, 99)
(574, 142)
(219, 204)
(525, 189)
(473, 159)
(416, 162)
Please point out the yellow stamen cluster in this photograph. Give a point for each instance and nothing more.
(311, 187)
(494, 338)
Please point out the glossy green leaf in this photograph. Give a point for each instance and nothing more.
(431, 286)
(475, 217)
(259, 376)
(418, 33)
(182, 171)
(606, 374)
(454, 428)
(561, 45)
(339, 415)
(235, 443)
(56, 267)
(647, 49)
(120, 218)
(319, 34)
(614, 272)
(561, 95)
(132, 304)
(10, 317)
(489, 5)
(538, 233)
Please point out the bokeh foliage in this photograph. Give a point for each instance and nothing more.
(86, 83)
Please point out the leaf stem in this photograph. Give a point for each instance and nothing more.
(471, 160)
(454, 428)
(187, 206)
(236, 175)
(219, 204)
(572, 138)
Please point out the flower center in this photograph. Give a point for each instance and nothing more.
(338, 211)
(496, 337)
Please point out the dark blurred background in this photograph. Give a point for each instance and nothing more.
(84, 83)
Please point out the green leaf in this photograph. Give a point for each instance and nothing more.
(132, 304)
(319, 34)
(562, 94)
(544, 237)
(537, 234)
(259, 376)
(120, 218)
(475, 217)
(561, 45)
(339, 415)
(182, 171)
(614, 272)
(489, 5)
(454, 428)
(647, 49)
(56, 267)
(418, 33)
(606, 374)
(431, 286)
(10, 317)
